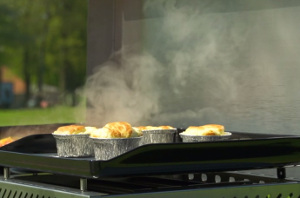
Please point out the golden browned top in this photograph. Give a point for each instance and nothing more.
(119, 129)
(114, 130)
(205, 130)
(166, 127)
(154, 127)
(70, 129)
(215, 126)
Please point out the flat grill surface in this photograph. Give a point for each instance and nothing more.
(242, 152)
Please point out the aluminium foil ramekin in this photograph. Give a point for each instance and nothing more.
(77, 145)
(107, 148)
(158, 136)
(199, 138)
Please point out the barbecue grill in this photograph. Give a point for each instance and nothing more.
(31, 168)
(246, 165)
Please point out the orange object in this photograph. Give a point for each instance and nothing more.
(5, 141)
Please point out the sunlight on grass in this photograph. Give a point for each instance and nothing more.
(57, 114)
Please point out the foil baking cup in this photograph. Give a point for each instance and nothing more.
(158, 136)
(199, 138)
(107, 148)
(77, 145)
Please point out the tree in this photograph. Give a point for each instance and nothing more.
(50, 36)
(68, 53)
(9, 33)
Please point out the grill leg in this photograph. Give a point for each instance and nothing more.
(281, 174)
(6, 173)
(83, 184)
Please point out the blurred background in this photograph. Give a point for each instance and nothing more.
(194, 62)
(163, 62)
(42, 61)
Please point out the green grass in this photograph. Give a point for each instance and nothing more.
(57, 114)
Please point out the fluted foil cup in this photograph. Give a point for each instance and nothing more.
(207, 138)
(77, 145)
(107, 148)
(158, 136)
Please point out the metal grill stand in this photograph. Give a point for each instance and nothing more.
(215, 184)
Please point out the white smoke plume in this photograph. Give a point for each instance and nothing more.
(124, 89)
(197, 67)
(143, 89)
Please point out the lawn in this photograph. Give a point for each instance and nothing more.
(57, 114)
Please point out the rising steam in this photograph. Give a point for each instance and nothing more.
(124, 89)
(197, 67)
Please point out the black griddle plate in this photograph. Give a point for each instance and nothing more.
(243, 151)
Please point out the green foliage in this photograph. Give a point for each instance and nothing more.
(9, 33)
(45, 41)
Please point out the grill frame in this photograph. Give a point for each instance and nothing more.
(14, 188)
(254, 186)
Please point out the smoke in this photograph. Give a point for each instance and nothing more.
(124, 89)
(149, 88)
(194, 67)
